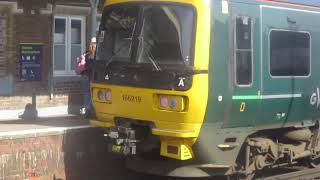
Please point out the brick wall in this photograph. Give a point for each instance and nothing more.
(3, 41)
(62, 85)
(75, 155)
(33, 29)
(16, 28)
(11, 52)
(22, 28)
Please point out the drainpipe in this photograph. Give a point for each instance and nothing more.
(94, 9)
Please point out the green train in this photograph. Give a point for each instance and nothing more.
(197, 88)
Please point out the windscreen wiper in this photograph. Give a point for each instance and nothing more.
(149, 53)
(110, 60)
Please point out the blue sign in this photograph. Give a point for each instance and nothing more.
(31, 57)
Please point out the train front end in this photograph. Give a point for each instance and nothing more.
(150, 85)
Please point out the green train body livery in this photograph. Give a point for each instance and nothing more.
(263, 102)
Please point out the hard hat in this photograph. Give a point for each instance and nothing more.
(93, 40)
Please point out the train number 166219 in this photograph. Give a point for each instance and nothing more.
(132, 99)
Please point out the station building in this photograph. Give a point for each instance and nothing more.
(39, 43)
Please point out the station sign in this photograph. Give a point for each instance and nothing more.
(31, 58)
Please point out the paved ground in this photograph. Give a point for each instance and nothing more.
(43, 123)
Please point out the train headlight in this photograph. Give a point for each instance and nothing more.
(172, 103)
(164, 101)
(100, 95)
(108, 95)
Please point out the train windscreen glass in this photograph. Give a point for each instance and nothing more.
(155, 35)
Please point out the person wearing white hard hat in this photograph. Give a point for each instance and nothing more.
(86, 78)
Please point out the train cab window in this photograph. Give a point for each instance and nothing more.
(243, 50)
(116, 34)
(289, 53)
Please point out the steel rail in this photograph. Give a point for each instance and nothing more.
(308, 174)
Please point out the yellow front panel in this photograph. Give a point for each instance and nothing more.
(189, 121)
(186, 119)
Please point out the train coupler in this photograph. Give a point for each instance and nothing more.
(122, 140)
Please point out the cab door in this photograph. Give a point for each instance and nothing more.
(245, 66)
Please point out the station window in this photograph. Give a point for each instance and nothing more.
(69, 43)
(289, 53)
(243, 50)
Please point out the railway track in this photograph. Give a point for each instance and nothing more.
(278, 174)
(296, 173)
(305, 174)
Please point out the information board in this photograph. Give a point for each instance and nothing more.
(31, 57)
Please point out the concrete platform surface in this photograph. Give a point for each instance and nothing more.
(41, 126)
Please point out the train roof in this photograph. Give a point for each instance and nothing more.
(299, 3)
(309, 3)
(304, 2)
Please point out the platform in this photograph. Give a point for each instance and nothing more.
(41, 126)
(60, 148)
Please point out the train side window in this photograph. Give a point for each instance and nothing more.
(289, 53)
(243, 50)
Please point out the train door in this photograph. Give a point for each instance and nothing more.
(285, 63)
(244, 65)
